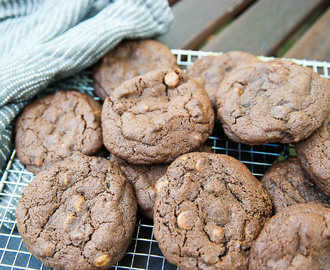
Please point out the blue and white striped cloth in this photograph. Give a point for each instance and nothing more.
(44, 40)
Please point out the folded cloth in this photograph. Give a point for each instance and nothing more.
(44, 40)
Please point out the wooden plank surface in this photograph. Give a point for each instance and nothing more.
(264, 26)
(195, 20)
(172, 2)
(315, 43)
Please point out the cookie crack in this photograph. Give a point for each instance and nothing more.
(292, 188)
(237, 198)
(84, 130)
(325, 223)
(293, 255)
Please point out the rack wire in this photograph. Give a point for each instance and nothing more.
(143, 252)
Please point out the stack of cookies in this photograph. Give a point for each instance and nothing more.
(208, 209)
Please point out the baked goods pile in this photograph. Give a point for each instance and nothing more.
(209, 211)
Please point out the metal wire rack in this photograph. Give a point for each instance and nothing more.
(143, 252)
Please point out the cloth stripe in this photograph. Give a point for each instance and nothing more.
(45, 40)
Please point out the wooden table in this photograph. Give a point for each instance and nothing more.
(282, 28)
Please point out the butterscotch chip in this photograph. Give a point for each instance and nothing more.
(216, 233)
(208, 219)
(79, 203)
(238, 90)
(184, 157)
(160, 184)
(65, 181)
(49, 250)
(102, 260)
(185, 220)
(69, 220)
(172, 79)
(91, 220)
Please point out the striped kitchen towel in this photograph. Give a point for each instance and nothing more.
(44, 40)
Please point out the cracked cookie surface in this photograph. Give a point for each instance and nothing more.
(288, 183)
(156, 117)
(314, 155)
(143, 179)
(272, 101)
(78, 214)
(295, 238)
(57, 126)
(129, 59)
(210, 70)
(208, 211)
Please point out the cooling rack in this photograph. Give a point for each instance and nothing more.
(143, 252)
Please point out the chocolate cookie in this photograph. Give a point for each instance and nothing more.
(314, 155)
(208, 211)
(209, 70)
(288, 183)
(57, 126)
(156, 117)
(129, 59)
(143, 178)
(78, 214)
(295, 238)
(273, 101)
